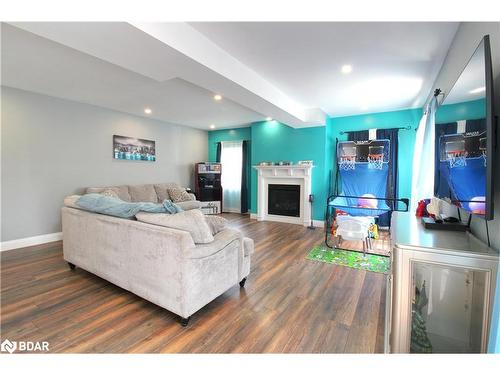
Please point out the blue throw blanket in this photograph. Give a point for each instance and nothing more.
(103, 204)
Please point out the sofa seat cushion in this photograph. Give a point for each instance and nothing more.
(120, 191)
(143, 193)
(189, 205)
(192, 221)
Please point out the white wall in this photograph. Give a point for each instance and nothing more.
(466, 40)
(53, 147)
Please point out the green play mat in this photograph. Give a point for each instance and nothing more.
(353, 259)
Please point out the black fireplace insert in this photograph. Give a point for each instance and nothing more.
(283, 200)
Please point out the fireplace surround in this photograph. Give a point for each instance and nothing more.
(291, 178)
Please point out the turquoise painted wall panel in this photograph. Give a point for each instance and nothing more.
(385, 120)
(474, 109)
(273, 141)
(214, 136)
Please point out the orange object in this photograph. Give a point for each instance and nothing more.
(334, 227)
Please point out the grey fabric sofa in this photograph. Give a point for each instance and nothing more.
(146, 193)
(159, 264)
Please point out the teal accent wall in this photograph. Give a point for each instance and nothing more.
(474, 109)
(383, 120)
(214, 136)
(273, 141)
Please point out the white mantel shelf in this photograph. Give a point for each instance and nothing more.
(290, 169)
(285, 175)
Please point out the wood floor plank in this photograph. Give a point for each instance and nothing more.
(289, 304)
(363, 330)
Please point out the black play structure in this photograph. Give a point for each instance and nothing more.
(361, 183)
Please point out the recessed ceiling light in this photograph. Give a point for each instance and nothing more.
(269, 119)
(346, 69)
(217, 97)
(148, 111)
(212, 126)
(478, 90)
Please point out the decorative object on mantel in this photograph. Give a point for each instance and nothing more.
(128, 148)
(305, 162)
(266, 163)
(282, 162)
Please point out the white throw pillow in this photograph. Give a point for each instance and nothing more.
(192, 221)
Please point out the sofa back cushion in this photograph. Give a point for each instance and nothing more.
(121, 191)
(192, 221)
(143, 193)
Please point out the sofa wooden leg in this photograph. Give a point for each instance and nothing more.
(242, 282)
(71, 266)
(185, 321)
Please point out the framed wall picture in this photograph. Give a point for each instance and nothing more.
(128, 148)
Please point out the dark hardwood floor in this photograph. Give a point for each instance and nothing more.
(289, 304)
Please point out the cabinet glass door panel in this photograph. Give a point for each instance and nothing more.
(447, 312)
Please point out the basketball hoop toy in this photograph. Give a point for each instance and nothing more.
(457, 158)
(375, 161)
(483, 154)
(347, 163)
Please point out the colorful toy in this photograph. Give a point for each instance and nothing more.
(478, 206)
(366, 202)
(373, 231)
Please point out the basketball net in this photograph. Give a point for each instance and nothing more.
(375, 161)
(457, 159)
(347, 163)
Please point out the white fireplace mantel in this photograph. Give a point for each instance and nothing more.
(285, 175)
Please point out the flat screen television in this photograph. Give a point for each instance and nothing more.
(465, 138)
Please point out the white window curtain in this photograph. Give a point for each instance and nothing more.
(232, 164)
(422, 184)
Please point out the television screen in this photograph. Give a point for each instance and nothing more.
(464, 138)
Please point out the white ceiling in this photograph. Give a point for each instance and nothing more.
(33, 63)
(394, 64)
(289, 71)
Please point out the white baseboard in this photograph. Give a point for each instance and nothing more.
(30, 241)
(316, 223)
(319, 223)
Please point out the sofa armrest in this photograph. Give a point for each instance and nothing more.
(221, 240)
